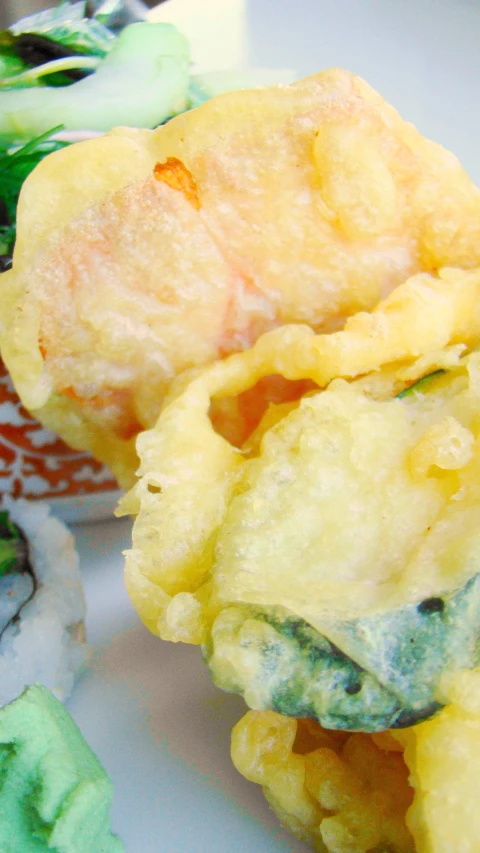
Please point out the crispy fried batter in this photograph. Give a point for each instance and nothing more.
(349, 502)
(344, 792)
(305, 203)
(339, 791)
(197, 470)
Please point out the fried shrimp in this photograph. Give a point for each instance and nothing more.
(144, 253)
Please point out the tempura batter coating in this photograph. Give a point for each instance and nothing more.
(143, 253)
(328, 563)
(409, 792)
(343, 793)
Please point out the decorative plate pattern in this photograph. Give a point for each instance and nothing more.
(36, 463)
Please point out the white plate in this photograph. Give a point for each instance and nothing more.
(160, 727)
(148, 708)
(94, 506)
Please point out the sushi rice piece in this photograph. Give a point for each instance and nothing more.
(42, 606)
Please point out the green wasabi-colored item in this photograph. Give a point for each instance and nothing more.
(54, 793)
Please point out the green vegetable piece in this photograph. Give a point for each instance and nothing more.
(9, 544)
(282, 664)
(8, 557)
(54, 793)
(10, 66)
(298, 672)
(10, 63)
(421, 385)
(33, 76)
(67, 24)
(143, 81)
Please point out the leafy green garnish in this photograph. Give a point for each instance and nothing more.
(29, 47)
(10, 62)
(68, 24)
(15, 165)
(143, 81)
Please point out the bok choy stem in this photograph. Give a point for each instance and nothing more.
(142, 81)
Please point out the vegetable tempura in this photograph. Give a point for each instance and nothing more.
(329, 568)
(328, 565)
(409, 791)
(162, 250)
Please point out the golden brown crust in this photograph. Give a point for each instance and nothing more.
(175, 174)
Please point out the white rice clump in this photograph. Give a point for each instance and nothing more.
(47, 644)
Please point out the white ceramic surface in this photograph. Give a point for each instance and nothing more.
(160, 727)
(148, 708)
(93, 506)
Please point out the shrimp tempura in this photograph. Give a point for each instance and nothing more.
(144, 253)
